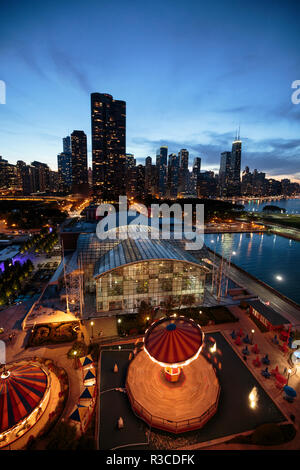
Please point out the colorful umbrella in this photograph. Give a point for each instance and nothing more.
(289, 391)
(21, 389)
(281, 379)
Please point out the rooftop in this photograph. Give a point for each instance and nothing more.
(132, 251)
(271, 315)
(9, 252)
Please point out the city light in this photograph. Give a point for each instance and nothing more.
(253, 398)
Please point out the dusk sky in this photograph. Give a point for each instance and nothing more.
(190, 71)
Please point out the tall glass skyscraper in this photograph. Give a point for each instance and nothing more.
(108, 118)
(236, 154)
(64, 165)
(79, 163)
(162, 166)
(173, 175)
(184, 170)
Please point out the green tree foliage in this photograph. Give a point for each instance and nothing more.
(62, 437)
(274, 209)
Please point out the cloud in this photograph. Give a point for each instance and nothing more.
(68, 67)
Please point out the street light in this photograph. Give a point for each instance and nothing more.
(289, 373)
(75, 354)
(92, 324)
(252, 332)
(253, 398)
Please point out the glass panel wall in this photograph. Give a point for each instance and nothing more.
(153, 281)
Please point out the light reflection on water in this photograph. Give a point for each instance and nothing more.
(292, 206)
(272, 258)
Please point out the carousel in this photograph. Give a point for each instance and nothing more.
(24, 395)
(170, 384)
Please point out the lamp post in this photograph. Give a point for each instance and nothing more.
(252, 334)
(92, 324)
(288, 377)
(75, 354)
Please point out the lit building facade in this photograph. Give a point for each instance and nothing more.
(143, 272)
(79, 163)
(64, 165)
(108, 120)
(118, 274)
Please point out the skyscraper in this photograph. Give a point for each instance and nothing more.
(225, 174)
(64, 165)
(236, 154)
(108, 118)
(67, 144)
(195, 178)
(41, 176)
(173, 175)
(162, 165)
(79, 163)
(148, 175)
(184, 170)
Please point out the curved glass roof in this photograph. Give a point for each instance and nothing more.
(131, 251)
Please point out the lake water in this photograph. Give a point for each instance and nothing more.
(292, 206)
(273, 259)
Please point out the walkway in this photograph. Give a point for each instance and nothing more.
(241, 278)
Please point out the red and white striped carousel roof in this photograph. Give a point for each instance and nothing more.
(174, 341)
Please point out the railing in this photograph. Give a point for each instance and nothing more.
(171, 425)
(262, 283)
(102, 340)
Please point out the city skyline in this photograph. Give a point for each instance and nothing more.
(194, 104)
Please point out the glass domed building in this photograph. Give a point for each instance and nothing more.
(117, 273)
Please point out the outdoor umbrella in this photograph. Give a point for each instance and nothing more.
(280, 378)
(289, 391)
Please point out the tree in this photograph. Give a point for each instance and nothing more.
(188, 300)
(274, 209)
(169, 305)
(145, 310)
(62, 437)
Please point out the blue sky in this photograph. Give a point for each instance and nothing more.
(190, 71)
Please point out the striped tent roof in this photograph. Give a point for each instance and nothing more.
(89, 375)
(86, 360)
(173, 341)
(88, 393)
(20, 393)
